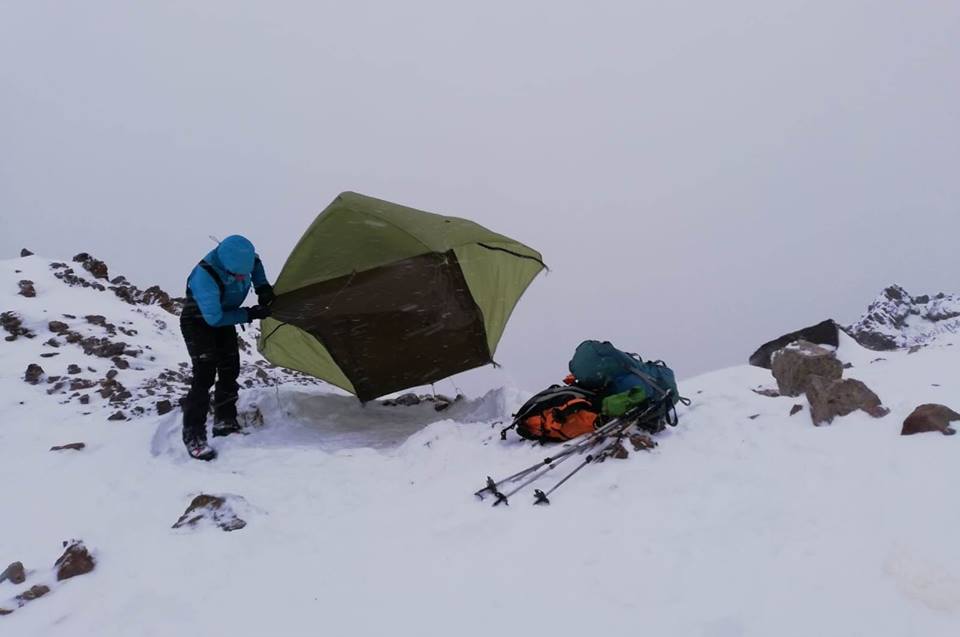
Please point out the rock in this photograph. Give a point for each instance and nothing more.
(930, 417)
(85, 399)
(768, 392)
(754, 416)
(4, 611)
(408, 400)
(642, 441)
(164, 407)
(211, 508)
(121, 363)
(76, 446)
(76, 560)
(839, 397)
(58, 327)
(796, 409)
(73, 369)
(94, 266)
(794, 365)
(111, 374)
(914, 349)
(824, 333)
(898, 320)
(14, 573)
(33, 374)
(118, 416)
(32, 593)
(619, 452)
(25, 253)
(27, 289)
(13, 325)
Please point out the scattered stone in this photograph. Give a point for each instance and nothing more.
(768, 392)
(84, 399)
(930, 417)
(795, 365)
(831, 398)
(75, 446)
(32, 593)
(4, 611)
(49, 354)
(211, 508)
(57, 388)
(15, 573)
(76, 560)
(58, 327)
(914, 349)
(94, 266)
(73, 369)
(118, 416)
(164, 407)
(27, 289)
(111, 374)
(13, 324)
(824, 333)
(406, 400)
(121, 363)
(79, 384)
(33, 374)
(848, 365)
(619, 452)
(642, 441)
(25, 253)
(796, 409)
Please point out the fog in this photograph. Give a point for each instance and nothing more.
(699, 176)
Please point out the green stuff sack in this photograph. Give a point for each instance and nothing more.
(617, 405)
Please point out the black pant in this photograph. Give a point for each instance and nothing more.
(216, 357)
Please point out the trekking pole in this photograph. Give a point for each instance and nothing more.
(492, 485)
(505, 497)
(540, 497)
(618, 430)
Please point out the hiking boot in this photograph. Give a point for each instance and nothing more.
(200, 450)
(226, 427)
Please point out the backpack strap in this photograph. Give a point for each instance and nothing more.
(213, 275)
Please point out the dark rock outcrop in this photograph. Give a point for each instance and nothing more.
(930, 417)
(15, 573)
(32, 593)
(824, 333)
(13, 325)
(898, 320)
(164, 407)
(27, 289)
(839, 397)
(76, 560)
(795, 365)
(75, 446)
(212, 508)
(94, 266)
(33, 374)
(25, 253)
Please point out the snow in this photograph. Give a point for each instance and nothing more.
(361, 521)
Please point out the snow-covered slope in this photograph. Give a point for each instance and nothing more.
(361, 521)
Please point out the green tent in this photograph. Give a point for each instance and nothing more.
(377, 297)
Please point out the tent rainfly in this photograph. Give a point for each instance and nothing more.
(377, 297)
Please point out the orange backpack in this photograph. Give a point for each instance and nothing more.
(556, 414)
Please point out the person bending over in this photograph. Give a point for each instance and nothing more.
(216, 288)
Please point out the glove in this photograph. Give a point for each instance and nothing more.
(265, 295)
(257, 313)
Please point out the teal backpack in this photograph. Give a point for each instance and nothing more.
(602, 368)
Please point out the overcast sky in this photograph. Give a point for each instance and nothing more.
(700, 176)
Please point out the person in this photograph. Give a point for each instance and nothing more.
(216, 288)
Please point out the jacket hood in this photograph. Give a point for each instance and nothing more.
(237, 254)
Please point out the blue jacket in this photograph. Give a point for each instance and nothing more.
(237, 266)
